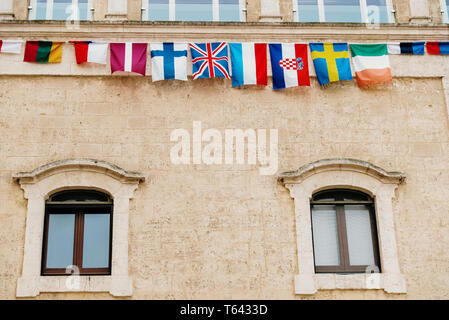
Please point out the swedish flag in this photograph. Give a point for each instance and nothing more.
(331, 61)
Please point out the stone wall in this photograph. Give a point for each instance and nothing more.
(225, 231)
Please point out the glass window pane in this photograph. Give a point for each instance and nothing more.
(447, 11)
(342, 11)
(229, 10)
(96, 241)
(377, 11)
(193, 10)
(325, 236)
(83, 9)
(308, 11)
(41, 9)
(62, 9)
(61, 229)
(354, 196)
(324, 196)
(158, 10)
(80, 195)
(360, 241)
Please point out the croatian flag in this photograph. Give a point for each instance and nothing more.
(289, 64)
(129, 57)
(437, 47)
(209, 60)
(11, 46)
(168, 61)
(249, 63)
(88, 51)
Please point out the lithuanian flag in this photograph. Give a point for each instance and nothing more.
(43, 51)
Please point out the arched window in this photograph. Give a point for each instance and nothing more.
(337, 227)
(78, 226)
(77, 233)
(344, 232)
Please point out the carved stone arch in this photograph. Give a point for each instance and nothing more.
(38, 185)
(353, 174)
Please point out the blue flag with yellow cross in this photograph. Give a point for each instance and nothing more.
(331, 61)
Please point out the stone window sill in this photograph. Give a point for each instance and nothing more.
(307, 284)
(33, 286)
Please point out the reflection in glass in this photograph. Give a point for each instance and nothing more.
(325, 236)
(342, 11)
(62, 9)
(194, 10)
(158, 10)
(83, 9)
(96, 241)
(360, 243)
(229, 10)
(308, 11)
(377, 11)
(41, 9)
(61, 228)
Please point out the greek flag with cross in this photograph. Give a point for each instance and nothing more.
(168, 61)
(331, 61)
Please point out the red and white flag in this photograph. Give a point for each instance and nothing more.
(129, 57)
(88, 51)
(11, 46)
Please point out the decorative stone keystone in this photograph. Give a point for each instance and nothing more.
(269, 11)
(117, 10)
(419, 12)
(7, 10)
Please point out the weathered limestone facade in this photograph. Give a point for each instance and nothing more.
(225, 231)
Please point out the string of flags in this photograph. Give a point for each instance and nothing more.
(289, 61)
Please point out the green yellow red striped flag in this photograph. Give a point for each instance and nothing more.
(43, 51)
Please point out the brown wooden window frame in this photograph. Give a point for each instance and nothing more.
(339, 203)
(79, 209)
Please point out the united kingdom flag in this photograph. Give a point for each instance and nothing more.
(210, 60)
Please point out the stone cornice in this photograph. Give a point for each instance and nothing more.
(285, 31)
(71, 164)
(340, 164)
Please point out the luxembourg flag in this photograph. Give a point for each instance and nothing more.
(129, 57)
(88, 51)
(249, 63)
(289, 64)
(11, 46)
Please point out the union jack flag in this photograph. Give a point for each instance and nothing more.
(210, 60)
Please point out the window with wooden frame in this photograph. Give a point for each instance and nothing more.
(344, 232)
(77, 233)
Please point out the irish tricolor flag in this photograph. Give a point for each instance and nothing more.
(43, 51)
(371, 63)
